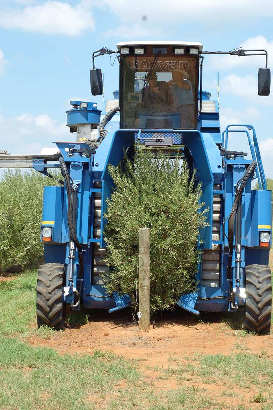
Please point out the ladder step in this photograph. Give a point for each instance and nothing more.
(210, 276)
(100, 269)
(96, 279)
(97, 213)
(210, 284)
(211, 266)
(216, 198)
(97, 203)
(99, 251)
(97, 232)
(216, 207)
(216, 227)
(210, 256)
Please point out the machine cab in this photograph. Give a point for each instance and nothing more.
(159, 84)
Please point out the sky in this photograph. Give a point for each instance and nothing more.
(46, 48)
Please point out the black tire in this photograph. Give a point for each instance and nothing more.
(50, 306)
(258, 299)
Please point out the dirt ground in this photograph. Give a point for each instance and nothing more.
(170, 342)
(8, 277)
(178, 335)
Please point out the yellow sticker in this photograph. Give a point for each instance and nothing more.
(264, 226)
(48, 222)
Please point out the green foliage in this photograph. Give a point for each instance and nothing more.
(269, 184)
(20, 217)
(155, 193)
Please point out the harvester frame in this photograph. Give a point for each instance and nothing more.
(235, 245)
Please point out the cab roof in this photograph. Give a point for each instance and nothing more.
(161, 43)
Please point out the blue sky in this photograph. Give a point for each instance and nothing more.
(45, 56)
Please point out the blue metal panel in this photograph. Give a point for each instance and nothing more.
(188, 302)
(52, 214)
(71, 151)
(261, 214)
(210, 124)
(121, 302)
(258, 256)
(206, 292)
(215, 134)
(54, 253)
(212, 305)
(78, 115)
(98, 298)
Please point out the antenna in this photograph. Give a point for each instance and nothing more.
(218, 89)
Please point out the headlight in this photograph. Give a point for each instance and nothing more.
(264, 239)
(46, 234)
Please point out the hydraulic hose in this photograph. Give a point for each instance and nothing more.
(108, 116)
(234, 212)
(72, 204)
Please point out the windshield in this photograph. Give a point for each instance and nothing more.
(159, 92)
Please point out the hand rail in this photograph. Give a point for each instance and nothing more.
(253, 146)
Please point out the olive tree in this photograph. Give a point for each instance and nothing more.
(20, 218)
(157, 193)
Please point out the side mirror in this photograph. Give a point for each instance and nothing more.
(264, 80)
(96, 81)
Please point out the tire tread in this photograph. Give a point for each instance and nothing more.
(258, 299)
(50, 305)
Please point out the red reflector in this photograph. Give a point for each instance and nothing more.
(46, 239)
(264, 244)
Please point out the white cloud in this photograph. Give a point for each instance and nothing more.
(244, 116)
(50, 17)
(136, 30)
(245, 87)
(2, 62)
(241, 86)
(29, 134)
(177, 10)
(159, 15)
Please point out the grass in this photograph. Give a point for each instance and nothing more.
(38, 377)
(240, 369)
(17, 304)
(34, 378)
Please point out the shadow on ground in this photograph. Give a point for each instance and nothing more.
(127, 318)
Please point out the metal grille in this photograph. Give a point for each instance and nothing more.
(174, 136)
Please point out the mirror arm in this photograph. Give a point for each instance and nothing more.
(240, 52)
(102, 51)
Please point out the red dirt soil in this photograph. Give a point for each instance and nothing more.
(7, 278)
(179, 335)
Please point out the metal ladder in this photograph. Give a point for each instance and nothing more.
(250, 132)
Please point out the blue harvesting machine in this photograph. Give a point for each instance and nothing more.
(161, 105)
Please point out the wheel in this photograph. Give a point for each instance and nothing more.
(50, 306)
(258, 299)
